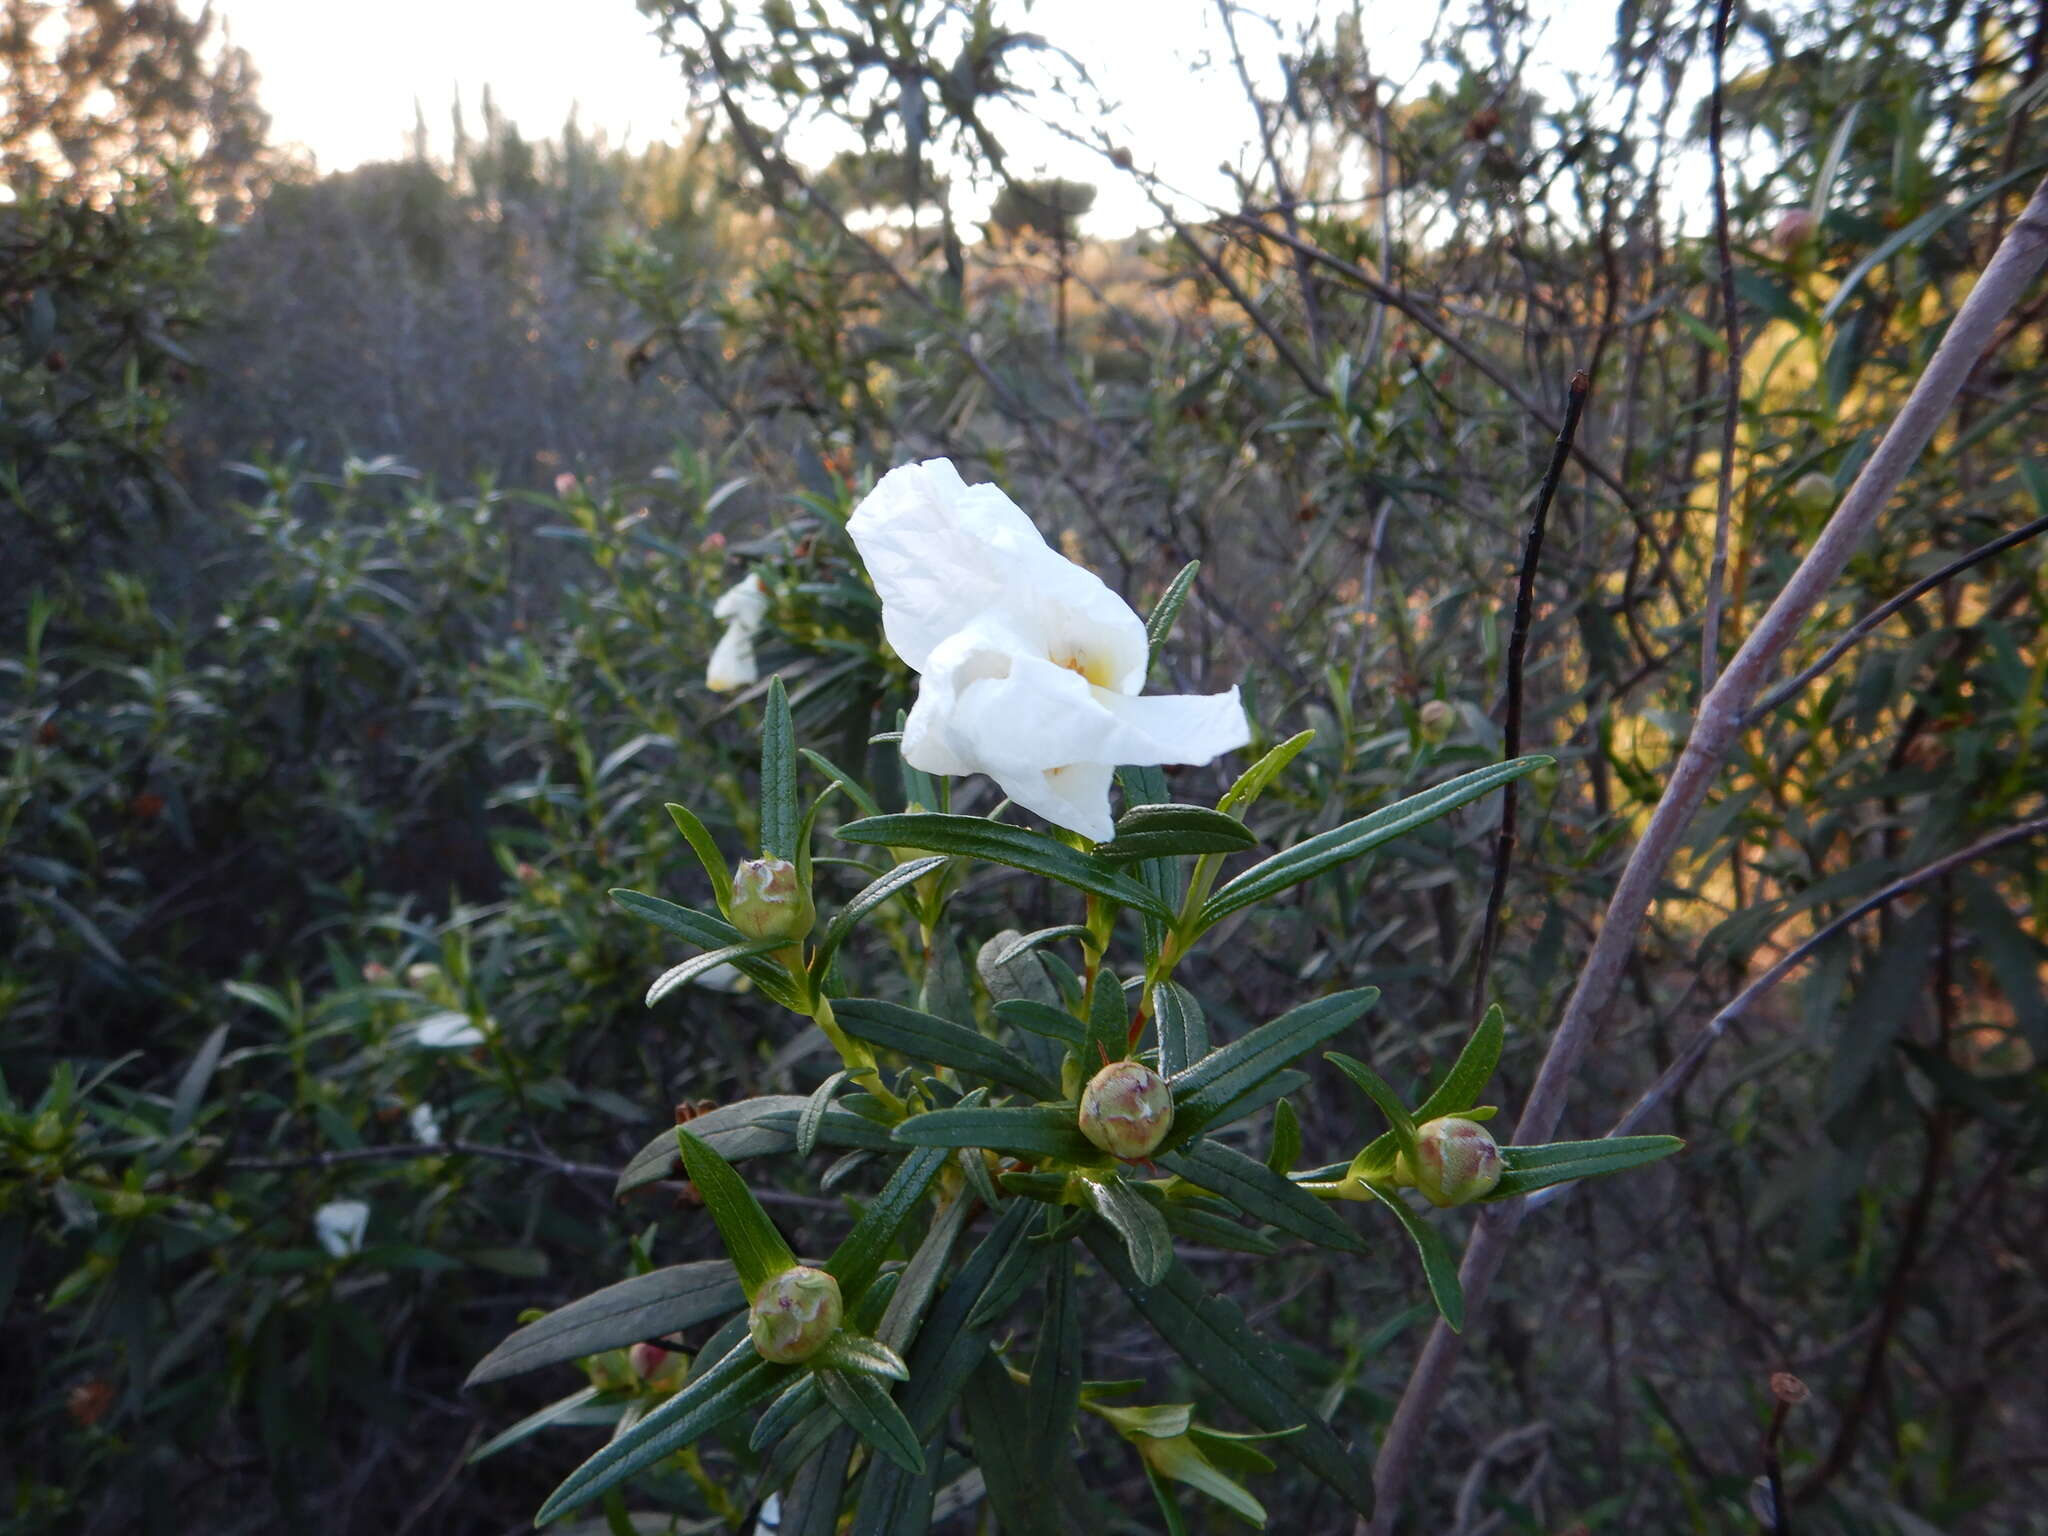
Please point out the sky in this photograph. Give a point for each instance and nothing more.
(341, 81)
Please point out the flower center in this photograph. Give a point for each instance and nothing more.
(1090, 668)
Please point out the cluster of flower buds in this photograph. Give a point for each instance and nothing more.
(794, 1314)
(769, 902)
(1456, 1162)
(1126, 1110)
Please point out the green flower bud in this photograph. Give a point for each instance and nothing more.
(768, 902)
(794, 1314)
(1438, 719)
(1459, 1162)
(1126, 1110)
(1813, 493)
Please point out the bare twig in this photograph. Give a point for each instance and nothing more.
(1731, 407)
(1518, 650)
(2012, 268)
(1877, 616)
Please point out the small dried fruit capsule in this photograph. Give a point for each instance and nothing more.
(1126, 1110)
(1459, 1159)
(794, 1314)
(768, 901)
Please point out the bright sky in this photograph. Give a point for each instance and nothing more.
(341, 81)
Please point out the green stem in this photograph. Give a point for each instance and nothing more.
(854, 1054)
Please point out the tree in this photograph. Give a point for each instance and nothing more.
(98, 90)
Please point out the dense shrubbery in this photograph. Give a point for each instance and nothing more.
(319, 768)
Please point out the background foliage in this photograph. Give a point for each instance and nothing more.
(369, 528)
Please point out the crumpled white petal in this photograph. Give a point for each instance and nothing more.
(744, 608)
(426, 1125)
(340, 1225)
(446, 1031)
(1030, 665)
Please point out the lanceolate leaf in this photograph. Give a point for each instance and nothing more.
(710, 933)
(1261, 1193)
(1533, 1168)
(864, 1403)
(753, 1128)
(1375, 1088)
(1439, 1265)
(813, 1113)
(859, 1258)
(1109, 1025)
(757, 1249)
(1202, 1090)
(1164, 831)
(1159, 625)
(1306, 860)
(851, 1353)
(1255, 780)
(1036, 1130)
(644, 1307)
(797, 1402)
(735, 1383)
(925, 1037)
(1183, 1029)
(1008, 1459)
(1459, 1090)
(779, 818)
(1137, 1221)
(697, 965)
(566, 1410)
(706, 848)
(863, 801)
(1211, 1335)
(973, 837)
(867, 900)
(1043, 1019)
(1055, 1390)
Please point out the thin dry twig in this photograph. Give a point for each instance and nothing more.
(1518, 650)
(1731, 405)
(2011, 270)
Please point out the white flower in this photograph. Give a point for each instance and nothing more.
(426, 1125)
(744, 609)
(446, 1031)
(340, 1225)
(1031, 666)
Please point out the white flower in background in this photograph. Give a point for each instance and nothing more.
(340, 1225)
(446, 1031)
(744, 609)
(722, 977)
(1031, 666)
(426, 1125)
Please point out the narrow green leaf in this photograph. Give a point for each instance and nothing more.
(858, 1258)
(1043, 1019)
(1261, 1193)
(1258, 778)
(1009, 1461)
(1168, 831)
(1201, 1091)
(864, 1403)
(706, 848)
(1389, 1102)
(1532, 1168)
(1137, 1222)
(1029, 1130)
(867, 900)
(1286, 1145)
(739, 1380)
(813, 1115)
(1159, 625)
(779, 818)
(561, 1410)
(1021, 945)
(1305, 860)
(863, 801)
(755, 1127)
(796, 1402)
(680, 975)
(644, 1307)
(1210, 1334)
(852, 1353)
(810, 1503)
(192, 1086)
(924, 1037)
(1182, 1028)
(757, 1249)
(973, 837)
(1054, 1395)
(920, 1277)
(1213, 1227)
(1109, 1025)
(1439, 1266)
(1471, 1072)
(711, 933)
(1012, 1279)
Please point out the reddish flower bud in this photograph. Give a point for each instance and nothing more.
(794, 1314)
(1126, 1110)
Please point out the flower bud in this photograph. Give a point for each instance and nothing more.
(1813, 493)
(1438, 719)
(794, 1314)
(1460, 1162)
(421, 975)
(768, 902)
(1126, 1110)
